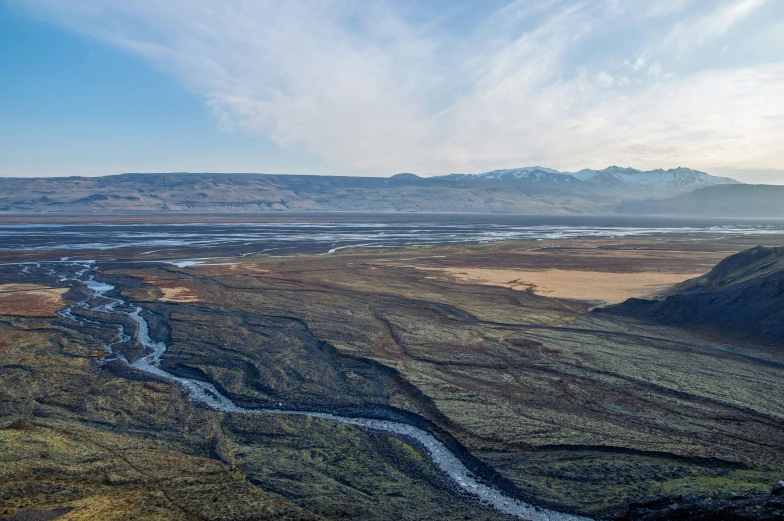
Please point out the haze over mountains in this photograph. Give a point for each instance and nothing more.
(530, 190)
(662, 182)
(716, 201)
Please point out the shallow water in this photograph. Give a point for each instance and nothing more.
(285, 238)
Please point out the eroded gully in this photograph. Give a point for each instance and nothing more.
(203, 393)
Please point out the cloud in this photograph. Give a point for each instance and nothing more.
(378, 87)
(716, 23)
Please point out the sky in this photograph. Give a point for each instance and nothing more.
(377, 87)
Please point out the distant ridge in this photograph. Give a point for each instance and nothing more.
(717, 201)
(531, 190)
(614, 177)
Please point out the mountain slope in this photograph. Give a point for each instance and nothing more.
(261, 193)
(742, 296)
(716, 201)
(683, 179)
(655, 182)
(534, 175)
(533, 190)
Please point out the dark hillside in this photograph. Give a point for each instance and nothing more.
(742, 296)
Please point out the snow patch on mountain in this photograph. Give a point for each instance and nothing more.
(673, 178)
(680, 179)
(533, 175)
(529, 172)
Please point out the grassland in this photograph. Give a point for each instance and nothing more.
(568, 408)
(30, 300)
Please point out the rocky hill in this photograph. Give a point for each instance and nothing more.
(737, 200)
(533, 190)
(742, 296)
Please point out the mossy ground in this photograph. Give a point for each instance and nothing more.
(579, 411)
(74, 435)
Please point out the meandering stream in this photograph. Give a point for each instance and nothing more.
(83, 272)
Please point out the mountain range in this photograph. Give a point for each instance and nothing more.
(676, 180)
(530, 190)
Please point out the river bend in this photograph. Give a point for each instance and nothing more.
(83, 272)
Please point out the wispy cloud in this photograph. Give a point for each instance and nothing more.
(688, 34)
(379, 87)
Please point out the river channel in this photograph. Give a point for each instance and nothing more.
(205, 394)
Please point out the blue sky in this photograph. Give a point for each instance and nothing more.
(374, 87)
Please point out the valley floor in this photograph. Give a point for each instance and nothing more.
(568, 409)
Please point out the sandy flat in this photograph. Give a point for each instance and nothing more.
(178, 294)
(172, 289)
(30, 300)
(573, 284)
(245, 268)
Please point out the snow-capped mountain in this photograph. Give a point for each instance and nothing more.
(676, 178)
(613, 178)
(514, 173)
(535, 175)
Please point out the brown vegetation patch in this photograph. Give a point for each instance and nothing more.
(179, 294)
(245, 268)
(172, 289)
(571, 284)
(519, 342)
(30, 300)
(631, 255)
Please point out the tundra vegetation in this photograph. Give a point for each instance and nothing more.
(567, 408)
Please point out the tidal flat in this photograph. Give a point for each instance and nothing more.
(567, 409)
